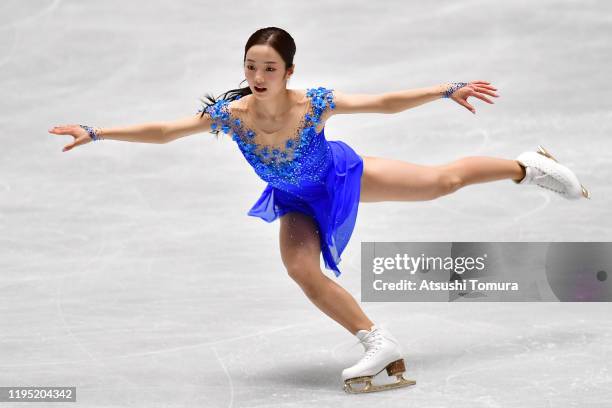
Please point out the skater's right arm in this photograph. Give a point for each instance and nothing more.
(187, 126)
(152, 132)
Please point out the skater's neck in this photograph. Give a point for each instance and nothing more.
(274, 107)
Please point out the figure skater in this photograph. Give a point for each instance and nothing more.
(315, 185)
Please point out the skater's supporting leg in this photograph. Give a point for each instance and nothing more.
(300, 252)
(396, 180)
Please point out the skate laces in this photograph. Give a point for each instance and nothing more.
(371, 342)
(545, 173)
(548, 181)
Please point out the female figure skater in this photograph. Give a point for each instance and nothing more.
(315, 185)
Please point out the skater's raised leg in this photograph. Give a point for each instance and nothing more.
(396, 180)
(301, 251)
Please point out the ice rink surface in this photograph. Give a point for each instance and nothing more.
(132, 271)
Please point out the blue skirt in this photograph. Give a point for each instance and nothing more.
(334, 210)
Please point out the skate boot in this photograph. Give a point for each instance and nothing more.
(382, 352)
(542, 169)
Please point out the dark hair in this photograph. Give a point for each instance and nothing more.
(276, 38)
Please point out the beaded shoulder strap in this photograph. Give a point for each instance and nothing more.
(321, 99)
(220, 115)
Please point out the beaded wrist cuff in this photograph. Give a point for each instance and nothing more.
(451, 89)
(92, 133)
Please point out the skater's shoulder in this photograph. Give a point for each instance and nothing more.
(238, 105)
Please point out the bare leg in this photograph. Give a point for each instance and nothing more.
(396, 180)
(384, 180)
(300, 252)
(481, 169)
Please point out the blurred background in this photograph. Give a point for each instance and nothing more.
(132, 271)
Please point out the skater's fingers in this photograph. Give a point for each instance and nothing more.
(70, 146)
(58, 131)
(487, 87)
(486, 91)
(77, 142)
(464, 103)
(65, 127)
(61, 129)
(484, 98)
(482, 84)
(75, 131)
(68, 132)
(80, 135)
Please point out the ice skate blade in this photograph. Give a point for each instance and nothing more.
(369, 387)
(395, 368)
(585, 193)
(545, 152)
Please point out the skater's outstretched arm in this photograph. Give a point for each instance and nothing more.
(394, 102)
(153, 132)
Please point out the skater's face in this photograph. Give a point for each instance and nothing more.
(265, 71)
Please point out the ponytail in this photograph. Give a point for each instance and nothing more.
(230, 95)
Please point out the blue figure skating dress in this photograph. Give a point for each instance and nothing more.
(308, 174)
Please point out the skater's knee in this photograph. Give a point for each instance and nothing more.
(301, 274)
(298, 264)
(308, 278)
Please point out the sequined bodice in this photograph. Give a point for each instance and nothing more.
(305, 157)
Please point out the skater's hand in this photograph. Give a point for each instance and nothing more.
(79, 134)
(477, 89)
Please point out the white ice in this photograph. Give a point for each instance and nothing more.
(132, 271)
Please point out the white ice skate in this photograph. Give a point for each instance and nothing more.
(382, 352)
(542, 169)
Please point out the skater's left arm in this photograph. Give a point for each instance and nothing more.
(394, 102)
(458, 91)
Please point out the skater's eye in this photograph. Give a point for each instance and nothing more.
(251, 67)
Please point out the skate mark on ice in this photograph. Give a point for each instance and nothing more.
(182, 348)
(539, 208)
(75, 338)
(9, 55)
(483, 143)
(33, 17)
(229, 378)
(169, 349)
(474, 215)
